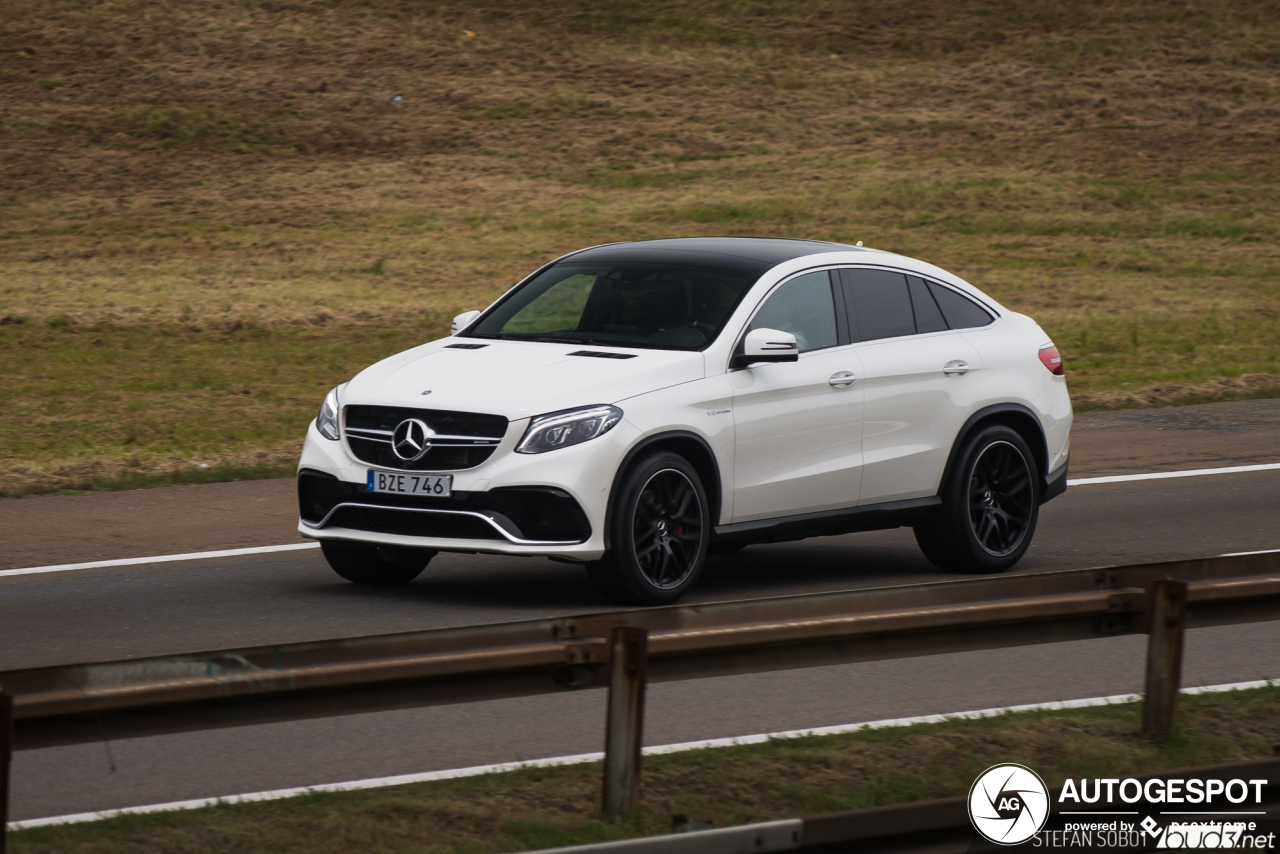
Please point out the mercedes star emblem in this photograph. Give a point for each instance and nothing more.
(411, 439)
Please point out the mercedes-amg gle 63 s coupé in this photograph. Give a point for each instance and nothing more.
(637, 406)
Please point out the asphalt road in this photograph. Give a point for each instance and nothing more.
(166, 608)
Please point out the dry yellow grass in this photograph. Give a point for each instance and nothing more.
(197, 199)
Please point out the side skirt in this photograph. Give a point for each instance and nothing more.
(828, 523)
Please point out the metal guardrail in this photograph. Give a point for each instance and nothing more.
(206, 690)
(202, 690)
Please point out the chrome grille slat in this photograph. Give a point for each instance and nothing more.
(437, 439)
(458, 440)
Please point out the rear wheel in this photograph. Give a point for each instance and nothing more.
(367, 563)
(659, 534)
(990, 506)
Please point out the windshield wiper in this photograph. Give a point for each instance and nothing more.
(544, 339)
(589, 341)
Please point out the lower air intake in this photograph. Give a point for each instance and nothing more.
(408, 523)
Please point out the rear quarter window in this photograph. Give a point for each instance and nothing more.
(928, 316)
(960, 311)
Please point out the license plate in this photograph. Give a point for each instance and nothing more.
(438, 485)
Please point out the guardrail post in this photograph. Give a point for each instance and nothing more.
(1168, 612)
(624, 725)
(6, 759)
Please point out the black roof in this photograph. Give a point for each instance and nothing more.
(750, 255)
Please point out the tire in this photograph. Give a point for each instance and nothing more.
(366, 563)
(990, 506)
(659, 530)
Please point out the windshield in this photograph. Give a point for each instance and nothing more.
(661, 306)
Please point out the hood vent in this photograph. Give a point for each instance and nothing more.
(465, 346)
(596, 354)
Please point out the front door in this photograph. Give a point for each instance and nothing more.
(798, 425)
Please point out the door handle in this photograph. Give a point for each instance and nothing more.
(956, 367)
(842, 379)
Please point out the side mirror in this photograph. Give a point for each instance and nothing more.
(767, 345)
(462, 321)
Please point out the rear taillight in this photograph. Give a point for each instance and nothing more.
(1052, 359)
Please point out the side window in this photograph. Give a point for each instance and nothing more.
(928, 317)
(960, 311)
(803, 307)
(879, 305)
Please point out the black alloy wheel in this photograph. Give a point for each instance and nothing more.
(659, 532)
(1001, 498)
(990, 505)
(368, 563)
(667, 529)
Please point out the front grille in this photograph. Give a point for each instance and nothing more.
(408, 523)
(436, 459)
(526, 512)
(444, 421)
(463, 440)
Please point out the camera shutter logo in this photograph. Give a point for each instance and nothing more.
(1008, 804)
(411, 439)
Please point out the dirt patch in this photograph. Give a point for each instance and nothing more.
(54, 529)
(1175, 438)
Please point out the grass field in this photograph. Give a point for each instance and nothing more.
(537, 808)
(212, 212)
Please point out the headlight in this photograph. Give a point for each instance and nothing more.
(571, 427)
(327, 420)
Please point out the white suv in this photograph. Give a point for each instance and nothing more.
(636, 406)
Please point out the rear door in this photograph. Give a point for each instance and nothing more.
(914, 378)
(799, 424)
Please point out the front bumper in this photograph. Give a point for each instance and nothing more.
(533, 516)
(549, 504)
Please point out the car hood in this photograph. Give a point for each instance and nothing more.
(517, 379)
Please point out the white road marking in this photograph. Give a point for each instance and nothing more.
(131, 561)
(583, 758)
(1161, 475)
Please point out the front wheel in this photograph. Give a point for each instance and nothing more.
(659, 534)
(990, 506)
(367, 563)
